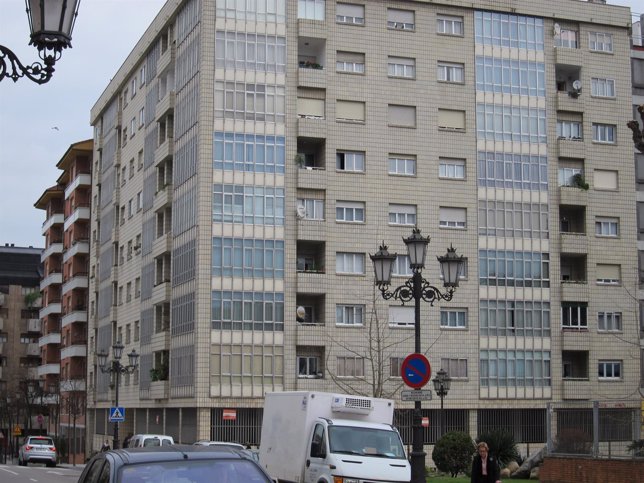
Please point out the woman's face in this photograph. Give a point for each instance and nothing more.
(483, 452)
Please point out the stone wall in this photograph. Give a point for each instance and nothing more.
(557, 469)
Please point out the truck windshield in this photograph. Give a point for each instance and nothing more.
(366, 442)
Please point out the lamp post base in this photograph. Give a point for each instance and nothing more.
(418, 466)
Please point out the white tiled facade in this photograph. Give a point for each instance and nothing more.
(274, 150)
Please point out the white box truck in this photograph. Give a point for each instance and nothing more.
(318, 437)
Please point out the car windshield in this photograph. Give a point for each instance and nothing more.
(365, 442)
(43, 441)
(193, 471)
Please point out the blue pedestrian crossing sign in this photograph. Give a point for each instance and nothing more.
(117, 414)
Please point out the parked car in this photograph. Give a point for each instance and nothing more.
(145, 440)
(37, 449)
(173, 464)
(218, 444)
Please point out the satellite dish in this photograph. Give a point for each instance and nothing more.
(577, 85)
(301, 313)
(300, 212)
(557, 29)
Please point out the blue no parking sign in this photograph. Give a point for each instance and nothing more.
(415, 370)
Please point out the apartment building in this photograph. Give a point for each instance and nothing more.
(249, 156)
(64, 287)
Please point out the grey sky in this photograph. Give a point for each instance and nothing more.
(38, 123)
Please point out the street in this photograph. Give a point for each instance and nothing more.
(39, 473)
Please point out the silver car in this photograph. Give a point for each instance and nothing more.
(37, 449)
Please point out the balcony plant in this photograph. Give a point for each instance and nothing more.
(578, 181)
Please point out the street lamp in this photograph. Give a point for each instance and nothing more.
(117, 368)
(51, 23)
(417, 288)
(442, 382)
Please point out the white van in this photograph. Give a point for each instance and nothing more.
(147, 440)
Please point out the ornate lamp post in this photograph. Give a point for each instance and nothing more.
(51, 23)
(417, 288)
(117, 369)
(442, 382)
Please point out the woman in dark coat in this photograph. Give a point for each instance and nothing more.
(485, 469)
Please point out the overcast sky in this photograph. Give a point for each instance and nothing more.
(39, 122)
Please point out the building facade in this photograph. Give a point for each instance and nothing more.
(249, 156)
(65, 293)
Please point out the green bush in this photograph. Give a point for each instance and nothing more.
(501, 444)
(637, 447)
(453, 453)
(573, 441)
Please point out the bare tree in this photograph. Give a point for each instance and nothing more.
(74, 399)
(638, 133)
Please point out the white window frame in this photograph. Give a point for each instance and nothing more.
(451, 222)
(610, 281)
(607, 370)
(309, 370)
(141, 117)
(604, 133)
(311, 9)
(581, 324)
(602, 87)
(451, 168)
(357, 363)
(401, 316)
(349, 211)
(449, 25)
(404, 215)
(609, 321)
(352, 161)
(570, 130)
(349, 315)
(566, 174)
(568, 39)
(400, 164)
(350, 19)
(401, 67)
(348, 263)
(453, 366)
(401, 267)
(453, 318)
(600, 42)
(395, 25)
(314, 208)
(349, 66)
(450, 72)
(607, 227)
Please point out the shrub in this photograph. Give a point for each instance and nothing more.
(453, 453)
(637, 447)
(573, 441)
(501, 444)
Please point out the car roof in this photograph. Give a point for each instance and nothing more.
(131, 456)
(219, 443)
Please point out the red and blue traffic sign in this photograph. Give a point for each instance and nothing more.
(415, 370)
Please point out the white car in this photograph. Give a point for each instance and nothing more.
(37, 449)
(219, 444)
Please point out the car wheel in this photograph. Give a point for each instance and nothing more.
(51, 464)
(24, 463)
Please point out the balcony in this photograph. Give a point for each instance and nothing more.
(570, 195)
(51, 338)
(53, 249)
(72, 385)
(311, 127)
(47, 369)
(572, 57)
(165, 151)
(159, 389)
(79, 213)
(570, 103)
(165, 106)
(575, 388)
(55, 219)
(311, 178)
(1, 324)
(52, 308)
(33, 325)
(75, 350)
(314, 230)
(33, 349)
(571, 148)
(52, 278)
(574, 243)
(162, 198)
(79, 280)
(575, 338)
(166, 59)
(312, 282)
(83, 179)
(311, 75)
(76, 316)
(79, 247)
(575, 290)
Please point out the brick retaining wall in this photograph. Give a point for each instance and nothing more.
(589, 470)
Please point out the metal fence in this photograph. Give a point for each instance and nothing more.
(593, 428)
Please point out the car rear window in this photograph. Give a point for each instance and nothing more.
(194, 471)
(43, 441)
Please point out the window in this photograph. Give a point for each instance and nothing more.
(349, 263)
(349, 314)
(401, 316)
(310, 108)
(140, 160)
(395, 366)
(401, 116)
(401, 67)
(567, 38)
(142, 117)
(402, 214)
(350, 161)
(350, 366)
(568, 170)
(609, 369)
(569, 130)
(349, 13)
(574, 315)
(402, 164)
(604, 179)
(313, 209)
(308, 366)
(448, 25)
(608, 274)
(453, 318)
(452, 217)
(350, 111)
(602, 87)
(501, 122)
(604, 133)
(142, 75)
(607, 227)
(600, 42)
(510, 76)
(503, 30)
(449, 72)
(131, 168)
(139, 201)
(350, 62)
(349, 211)
(456, 368)
(133, 86)
(401, 266)
(451, 168)
(133, 127)
(450, 119)
(609, 321)
(310, 9)
(400, 19)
